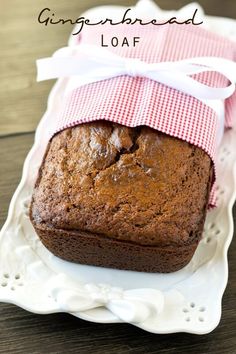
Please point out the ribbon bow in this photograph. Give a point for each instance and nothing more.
(88, 64)
(133, 306)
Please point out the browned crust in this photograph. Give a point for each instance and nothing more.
(90, 249)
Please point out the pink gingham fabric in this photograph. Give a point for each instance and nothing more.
(135, 101)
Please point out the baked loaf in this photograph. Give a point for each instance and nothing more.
(119, 197)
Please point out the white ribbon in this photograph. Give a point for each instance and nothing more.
(134, 306)
(89, 63)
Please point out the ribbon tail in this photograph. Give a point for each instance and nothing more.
(223, 66)
(55, 67)
(86, 69)
(189, 86)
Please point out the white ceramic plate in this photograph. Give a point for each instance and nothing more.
(185, 301)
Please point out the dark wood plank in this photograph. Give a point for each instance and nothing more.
(23, 332)
(13, 152)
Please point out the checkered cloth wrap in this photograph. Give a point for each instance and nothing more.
(135, 101)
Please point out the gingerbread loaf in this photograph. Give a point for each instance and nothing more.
(119, 197)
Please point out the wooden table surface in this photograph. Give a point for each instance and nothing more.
(22, 103)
